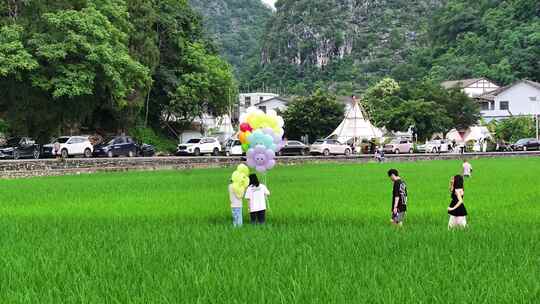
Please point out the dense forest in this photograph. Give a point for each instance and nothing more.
(236, 28)
(348, 45)
(107, 66)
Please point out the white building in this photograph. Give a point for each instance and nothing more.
(278, 104)
(519, 99)
(472, 87)
(247, 100)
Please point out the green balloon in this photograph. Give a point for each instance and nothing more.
(245, 147)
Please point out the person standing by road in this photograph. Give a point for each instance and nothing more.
(457, 210)
(399, 198)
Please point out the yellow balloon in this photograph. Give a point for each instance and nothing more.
(240, 179)
(243, 169)
(238, 190)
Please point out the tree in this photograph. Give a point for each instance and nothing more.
(14, 58)
(426, 106)
(316, 115)
(514, 128)
(77, 65)
(461, 109)
(380, 99)
(80, 66)
(206, 88)
(427, 118)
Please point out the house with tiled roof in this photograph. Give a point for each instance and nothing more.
(521, 98)
(472, 87)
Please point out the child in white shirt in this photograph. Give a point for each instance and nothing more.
(256, 193)
(467, 169)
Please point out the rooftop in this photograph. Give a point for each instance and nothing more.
(491, 95)
(460, 84)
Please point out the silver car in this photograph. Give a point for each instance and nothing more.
(329, 147)
(398, 146)
(437, 146)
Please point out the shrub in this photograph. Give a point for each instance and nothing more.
(469, 146)
(149, 136)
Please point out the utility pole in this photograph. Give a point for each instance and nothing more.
(537, 138)
(536, 119)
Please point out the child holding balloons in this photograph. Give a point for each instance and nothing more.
(237, 188)
(236, 206)
(261, 135)
(257, 193)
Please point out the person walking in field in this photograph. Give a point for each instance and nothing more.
(236, 206)
(256, 194)
(457, 210)
(379, 155)
(467, 169)
(399, 197)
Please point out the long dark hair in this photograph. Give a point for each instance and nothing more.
(254, 180)
(458, 182)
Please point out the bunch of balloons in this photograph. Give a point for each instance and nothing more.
(240, 180)
(261, 135)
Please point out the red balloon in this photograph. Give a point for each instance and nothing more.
(245, 127)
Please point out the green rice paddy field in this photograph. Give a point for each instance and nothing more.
(165, 237)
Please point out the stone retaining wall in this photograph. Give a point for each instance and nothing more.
(55, 167)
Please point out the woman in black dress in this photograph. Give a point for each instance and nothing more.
(457, 210)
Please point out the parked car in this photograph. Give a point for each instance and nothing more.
(147, 150)
(117, 146)
(503, 147)
(19, 147)
(437, 146)
(67, 146)
(328, 147)
(526, 144)
(294, 147)
(233, 147)
(398, 146)
(198, 146)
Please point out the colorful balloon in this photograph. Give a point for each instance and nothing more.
(240, 180)
(261, 159)
(276, 140)
(243, 169)
(245, 127)
(261, 135)
(243, 137)
(258, 137)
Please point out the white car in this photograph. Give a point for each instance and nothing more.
(329, 147)
(437, 146)
(199, 146)
(67, 146)
(398, 146)
(233, 147)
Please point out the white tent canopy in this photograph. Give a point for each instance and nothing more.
(474, 133)
(477, 134)
(355, 126)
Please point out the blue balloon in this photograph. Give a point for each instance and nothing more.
(259, 138)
